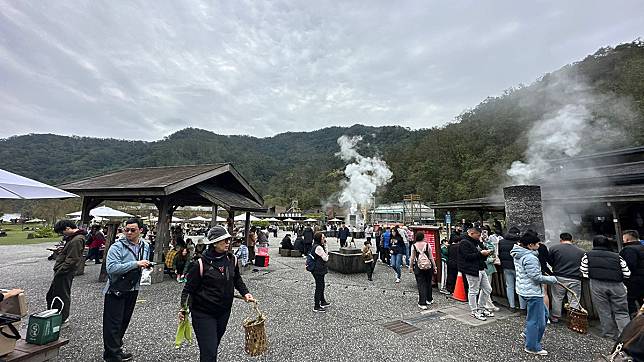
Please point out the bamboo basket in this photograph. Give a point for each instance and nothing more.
(577, 318)
(256, 342)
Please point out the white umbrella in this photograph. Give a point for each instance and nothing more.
(335, 220)
(288, 220)
(310, 220)
(271, 219)
(14, 186)
(177, 219)
(242, 217)
(102, 211)
(220, 219)
(34, 221)
(96, 218)
(198, 218)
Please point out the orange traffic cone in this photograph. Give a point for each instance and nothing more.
(459, 289)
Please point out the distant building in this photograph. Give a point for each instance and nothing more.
(10, 217)
(402, 212)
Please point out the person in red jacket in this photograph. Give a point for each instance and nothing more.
(96, 240)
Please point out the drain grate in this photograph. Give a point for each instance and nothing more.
(401, 327)
(425, 317)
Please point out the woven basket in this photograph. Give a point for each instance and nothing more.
(578, 320)
(255, 333)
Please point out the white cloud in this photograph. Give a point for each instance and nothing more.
(101, 67)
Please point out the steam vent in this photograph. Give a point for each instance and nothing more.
(523, 208)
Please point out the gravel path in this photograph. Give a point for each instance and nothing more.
(352, 330)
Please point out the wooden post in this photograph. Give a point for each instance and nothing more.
(231, 222)
(162, 239)
(215, 210)
(87, 204)
(112, 226)
(246, 227)
(618, 225)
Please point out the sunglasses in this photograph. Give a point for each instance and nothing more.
(128, 230)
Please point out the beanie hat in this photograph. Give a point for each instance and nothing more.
(216, 234)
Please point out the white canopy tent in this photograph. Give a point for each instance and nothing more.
(14, 186)
(335, 220)
(242, 217)
(272, 219)
(198, 219)
(311, 220)
(288, 220)
(34, 221)
(103, 211)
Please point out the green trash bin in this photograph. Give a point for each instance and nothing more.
(44, 327)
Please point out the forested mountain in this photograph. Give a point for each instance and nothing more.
(464, 159)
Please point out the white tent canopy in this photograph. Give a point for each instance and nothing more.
(32, 221)
(310, 220)
(95, 219)
(271, 219)
(14, 186)
(242, 217)
(289, 220)
(220, 219)
(103, 211)
(335, 220)
(198, 218)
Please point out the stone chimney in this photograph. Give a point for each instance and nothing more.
(523, 208)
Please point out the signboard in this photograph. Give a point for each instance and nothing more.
(448, 218)
(430, 238)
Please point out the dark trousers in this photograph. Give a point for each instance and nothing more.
(209, 330)
(452, 274)
(371, 266)
(424, 284)
(307, 248)
(343, 243)
(117, 312)
(634, 296)
(61, 287)
(94, 253)
(319, 289)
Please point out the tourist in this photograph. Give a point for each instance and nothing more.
(251, 244)
(179, 264)
(320, 269)
(452, 265)
(242, 254)
(286, 242)
(529, 282)
(95, 240)
(275, 230)
(565, 259)
(545, 269)
(299, 244)
(343, 235)
(377, 230)
(471, 263)
(424, 268)
(208, 294)
(607, 271)
(507, 264)
(65, 266)
(397, 247)
(633, 255)
(386, 238)
(368, 233)
(490, 264)
(403, 233)
(124, 261)
(367, 256)
(307, 233)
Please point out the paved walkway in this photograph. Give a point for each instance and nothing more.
(360, 325)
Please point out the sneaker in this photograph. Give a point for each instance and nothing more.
(430, 302)
(397, 280)
(495, 309)
(319, 310)
(543, 352)
(125, 356)
(444, 291)
(487, 313)
(423, 307)
(325, 304)
(478, 316)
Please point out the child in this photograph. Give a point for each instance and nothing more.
(367, 256)
(528, 284)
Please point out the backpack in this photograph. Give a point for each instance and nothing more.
(310, 262)
(422, 261)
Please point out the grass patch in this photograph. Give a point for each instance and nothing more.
(17, 236)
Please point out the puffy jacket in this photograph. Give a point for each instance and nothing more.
(633, 254)
(470, 259)
(528, 268)
(605, 265)
(505, 246)
(386, 237)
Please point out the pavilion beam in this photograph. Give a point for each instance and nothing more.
(162, 240)
(247, 226)
(87, 204)
(215, 210)
(618, 225)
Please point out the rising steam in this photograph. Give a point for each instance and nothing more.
(363, 176)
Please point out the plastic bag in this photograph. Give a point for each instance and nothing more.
(146, 276)
(184, 332)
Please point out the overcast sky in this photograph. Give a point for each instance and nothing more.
(144, 69)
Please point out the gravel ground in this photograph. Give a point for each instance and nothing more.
(351, 330)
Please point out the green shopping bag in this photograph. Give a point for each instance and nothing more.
(184, 331)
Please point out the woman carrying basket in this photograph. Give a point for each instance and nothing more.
(209, 292)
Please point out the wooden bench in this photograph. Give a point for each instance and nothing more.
(34, 353)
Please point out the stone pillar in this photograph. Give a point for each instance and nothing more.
(523, 208)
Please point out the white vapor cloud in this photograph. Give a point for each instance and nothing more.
(143, 69)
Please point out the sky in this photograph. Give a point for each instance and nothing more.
(145, 69)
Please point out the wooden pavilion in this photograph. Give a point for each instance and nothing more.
(168, 188)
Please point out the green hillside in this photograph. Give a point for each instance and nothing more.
(464, 159)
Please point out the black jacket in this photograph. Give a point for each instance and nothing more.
(452, 255)
(320, 265)
(470, 259)
(344, 233)
(605, 265)
(308, 235)
(286, 243)
(212, 293)
(505, 245)
(633, 255)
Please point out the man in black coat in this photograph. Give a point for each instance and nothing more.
(343, 235)
(633, 254)
(507, 263)
(307, 233)
(471, 263)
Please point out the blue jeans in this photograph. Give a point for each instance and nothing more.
(535, 323)
(510, 277)
(407, 245)
(396, 263)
